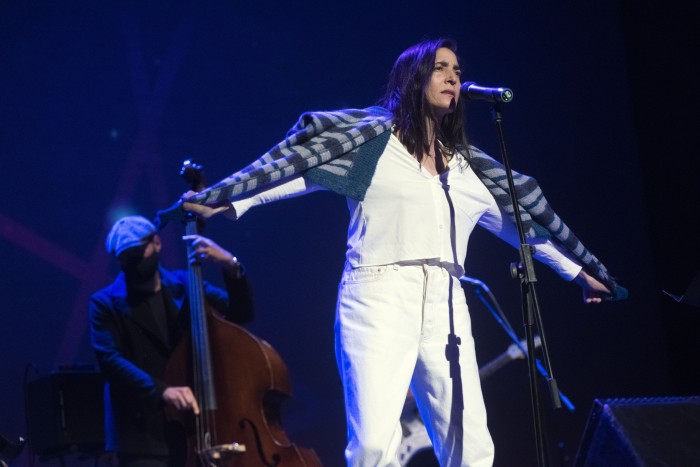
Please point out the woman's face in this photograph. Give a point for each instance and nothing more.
(442, 91)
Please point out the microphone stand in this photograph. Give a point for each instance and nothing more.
(480, 289)
(525, 271)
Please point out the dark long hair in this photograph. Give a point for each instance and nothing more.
(405, 98)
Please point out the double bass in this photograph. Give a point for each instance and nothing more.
(238, 379)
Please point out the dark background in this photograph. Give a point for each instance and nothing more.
(100, 102)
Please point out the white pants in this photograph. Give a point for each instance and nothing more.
(401, 325)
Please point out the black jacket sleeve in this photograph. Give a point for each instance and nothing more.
(236, 303)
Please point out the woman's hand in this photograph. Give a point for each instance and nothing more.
(593, 290)
(204, 210)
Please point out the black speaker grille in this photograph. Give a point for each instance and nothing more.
(642, 432)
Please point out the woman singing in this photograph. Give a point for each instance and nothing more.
(415, 191)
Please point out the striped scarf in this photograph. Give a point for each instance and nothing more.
(339, 151)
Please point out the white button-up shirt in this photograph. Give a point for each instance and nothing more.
(410, 215)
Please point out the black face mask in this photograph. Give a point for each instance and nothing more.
(141, 270)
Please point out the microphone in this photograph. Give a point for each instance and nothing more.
(473, 92)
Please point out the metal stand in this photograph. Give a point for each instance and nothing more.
(487, 298)
(525, 271)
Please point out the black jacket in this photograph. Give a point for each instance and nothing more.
(132, 353)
